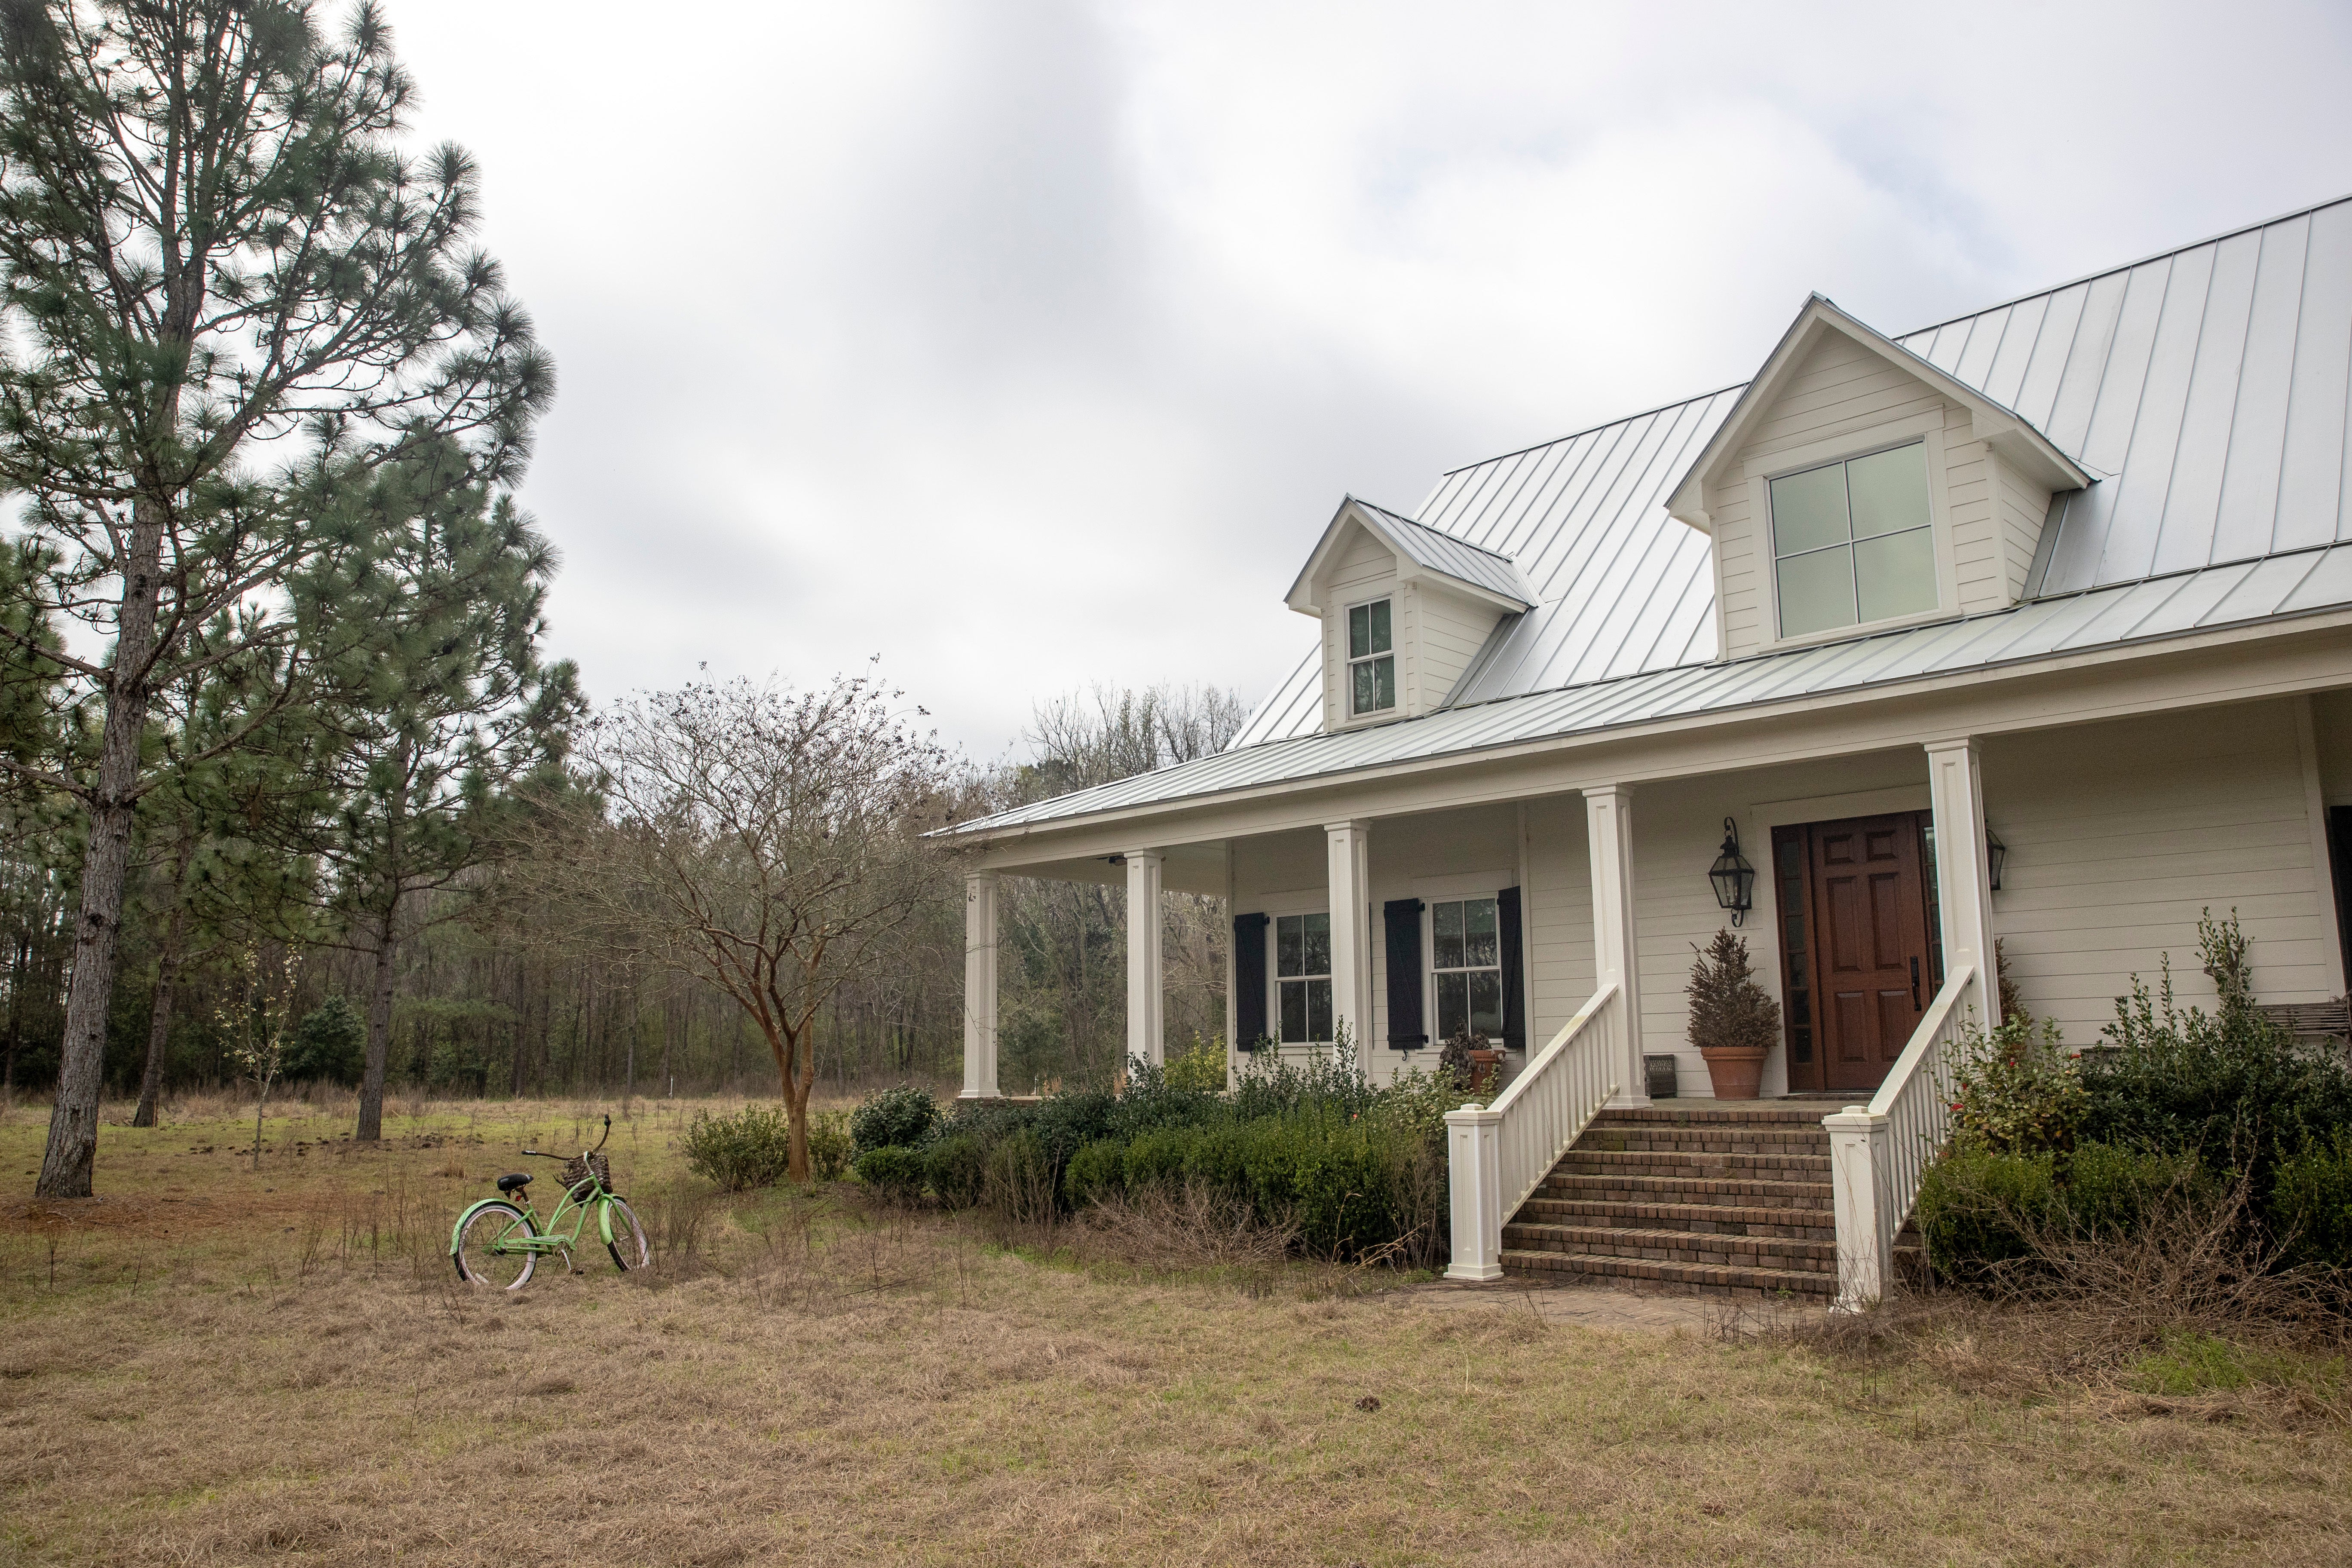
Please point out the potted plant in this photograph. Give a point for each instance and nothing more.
(1733, 1020)
(1471, 1061)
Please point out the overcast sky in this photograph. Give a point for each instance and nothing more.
(1030, 345)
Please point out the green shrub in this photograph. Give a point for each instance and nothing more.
(2109, 1193)
(2311, 1205)
(903, 1117)
(2234, 1087)
(1200, 1068)
(829, 1145)
(1022, 1180)
(894, 1172)
(2019, 1092)
(957, 1165)
(1978, 1210)
(330, 1043)
(742, 1151)
(1096, 1173)
(1156, 1159)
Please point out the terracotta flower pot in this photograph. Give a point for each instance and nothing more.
(1483, 1066)
(1738, 1072)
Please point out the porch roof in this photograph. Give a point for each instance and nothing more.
(2274, 587)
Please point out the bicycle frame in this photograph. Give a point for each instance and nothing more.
(546, 1239)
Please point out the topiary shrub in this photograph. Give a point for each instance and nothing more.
(830, 1146)
(2108, 1192)
(956, 1167)
(753, 1148)
(894, 1174)
(903, 1117)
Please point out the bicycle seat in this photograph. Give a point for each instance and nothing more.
(515, 1183)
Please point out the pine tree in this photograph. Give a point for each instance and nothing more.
(447, 717)
(213, 250)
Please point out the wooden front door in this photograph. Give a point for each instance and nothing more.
(1857, 935)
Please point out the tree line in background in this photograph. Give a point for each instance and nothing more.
(273, 699)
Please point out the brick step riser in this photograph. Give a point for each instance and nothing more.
(1617, 1160)
(1682, 1278)
(1815, 1148)
(1675, 1246)
(1656, 1116)
(1786, 1225)
(1799, 1196)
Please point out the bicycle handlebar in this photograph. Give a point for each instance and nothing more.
(542, 1154)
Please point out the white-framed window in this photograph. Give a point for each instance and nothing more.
(1465, 967)
(1854, 542)
(1372, 661)
(1302, 978)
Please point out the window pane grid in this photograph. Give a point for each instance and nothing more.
(1371, 671)
(1465, 966)
(1853, 542)
(1302, 966)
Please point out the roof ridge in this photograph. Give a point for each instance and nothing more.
(2122, 266)
(1897, 338)
(1511, 560)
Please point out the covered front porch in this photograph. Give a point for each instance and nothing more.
(1559, 915)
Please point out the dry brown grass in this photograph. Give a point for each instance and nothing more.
(212, 1367)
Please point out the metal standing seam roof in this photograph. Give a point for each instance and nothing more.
(2206, 389)
(1456, 558)
(2303, 582)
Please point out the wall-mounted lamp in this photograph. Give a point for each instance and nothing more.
(1995, 853)
(1734, 878)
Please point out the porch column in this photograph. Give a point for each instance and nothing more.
(1609, 847)
(1144, 988)
(1350, 856)
(978, 986)
(1963, 876)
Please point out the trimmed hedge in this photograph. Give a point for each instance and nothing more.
(899, 1118)
(895, 1172)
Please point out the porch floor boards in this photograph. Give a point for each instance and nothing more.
(1693, 1197)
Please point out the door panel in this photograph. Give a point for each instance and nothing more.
(1868, 889)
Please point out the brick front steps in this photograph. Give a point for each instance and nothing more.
(1714, 1201)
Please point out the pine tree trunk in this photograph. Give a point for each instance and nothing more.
(379, 1028)
(72, 1149)
(167, 976)
(17, 979)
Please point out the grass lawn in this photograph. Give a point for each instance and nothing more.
(214, 1364)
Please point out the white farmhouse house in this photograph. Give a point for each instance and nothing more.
(2033, 625)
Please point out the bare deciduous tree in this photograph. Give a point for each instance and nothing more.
(769, 840)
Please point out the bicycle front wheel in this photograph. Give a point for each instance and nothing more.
(627, 1245)
(481, 1261)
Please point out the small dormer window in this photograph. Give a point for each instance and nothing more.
(1853, 542)
(1371, 664)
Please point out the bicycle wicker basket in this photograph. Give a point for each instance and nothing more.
(578, 1171)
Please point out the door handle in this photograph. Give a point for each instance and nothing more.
(1914, 985)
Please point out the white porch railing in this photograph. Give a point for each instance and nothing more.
(1879, 1153)
(1497, 1156)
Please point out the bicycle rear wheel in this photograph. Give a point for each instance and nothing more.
(478, 1261)
(628, 1247)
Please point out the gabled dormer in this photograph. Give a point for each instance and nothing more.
(1404, 609)
(1854, 487)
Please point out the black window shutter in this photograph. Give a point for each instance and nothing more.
(1249, 980)
(1515, 979)
(1404, 974)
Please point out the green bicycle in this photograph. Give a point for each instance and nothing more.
(497, 1241)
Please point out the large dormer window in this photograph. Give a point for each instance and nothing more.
(1371, 664)
(1853, 542)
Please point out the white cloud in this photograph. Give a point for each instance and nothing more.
(1031, 344)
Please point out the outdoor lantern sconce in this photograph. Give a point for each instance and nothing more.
(1996, 852)
(1734, 878)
